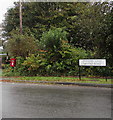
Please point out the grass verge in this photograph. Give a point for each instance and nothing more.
(65, 79)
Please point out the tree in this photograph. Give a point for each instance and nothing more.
(103, 39)
(20, 45)
(87, 24)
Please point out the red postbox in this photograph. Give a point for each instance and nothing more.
(12, 62)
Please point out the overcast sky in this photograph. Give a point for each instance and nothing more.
(4, 5)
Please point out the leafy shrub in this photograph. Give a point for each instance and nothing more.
(35, 64)
(18, 70)
(52, 39)
(20, 45)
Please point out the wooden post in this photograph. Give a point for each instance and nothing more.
(106, 73)
(20, 14)
(79, 74)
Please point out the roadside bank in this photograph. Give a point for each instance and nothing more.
(57, 83)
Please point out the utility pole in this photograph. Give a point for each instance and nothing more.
(20, 14)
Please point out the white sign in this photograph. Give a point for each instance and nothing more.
(92, 62)
(3, 54)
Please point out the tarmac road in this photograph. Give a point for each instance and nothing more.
(54, 101)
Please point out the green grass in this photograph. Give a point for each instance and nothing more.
(0, 72)
(69, 79)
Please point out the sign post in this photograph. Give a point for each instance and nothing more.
(91, 62)
(79, 74)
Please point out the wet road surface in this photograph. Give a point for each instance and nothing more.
(53, 101)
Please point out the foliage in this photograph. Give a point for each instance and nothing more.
(35, 64)
(56, 35)
(61, 62)
(52, 40)
(19, 70)
(85, 23)
(20, 45)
